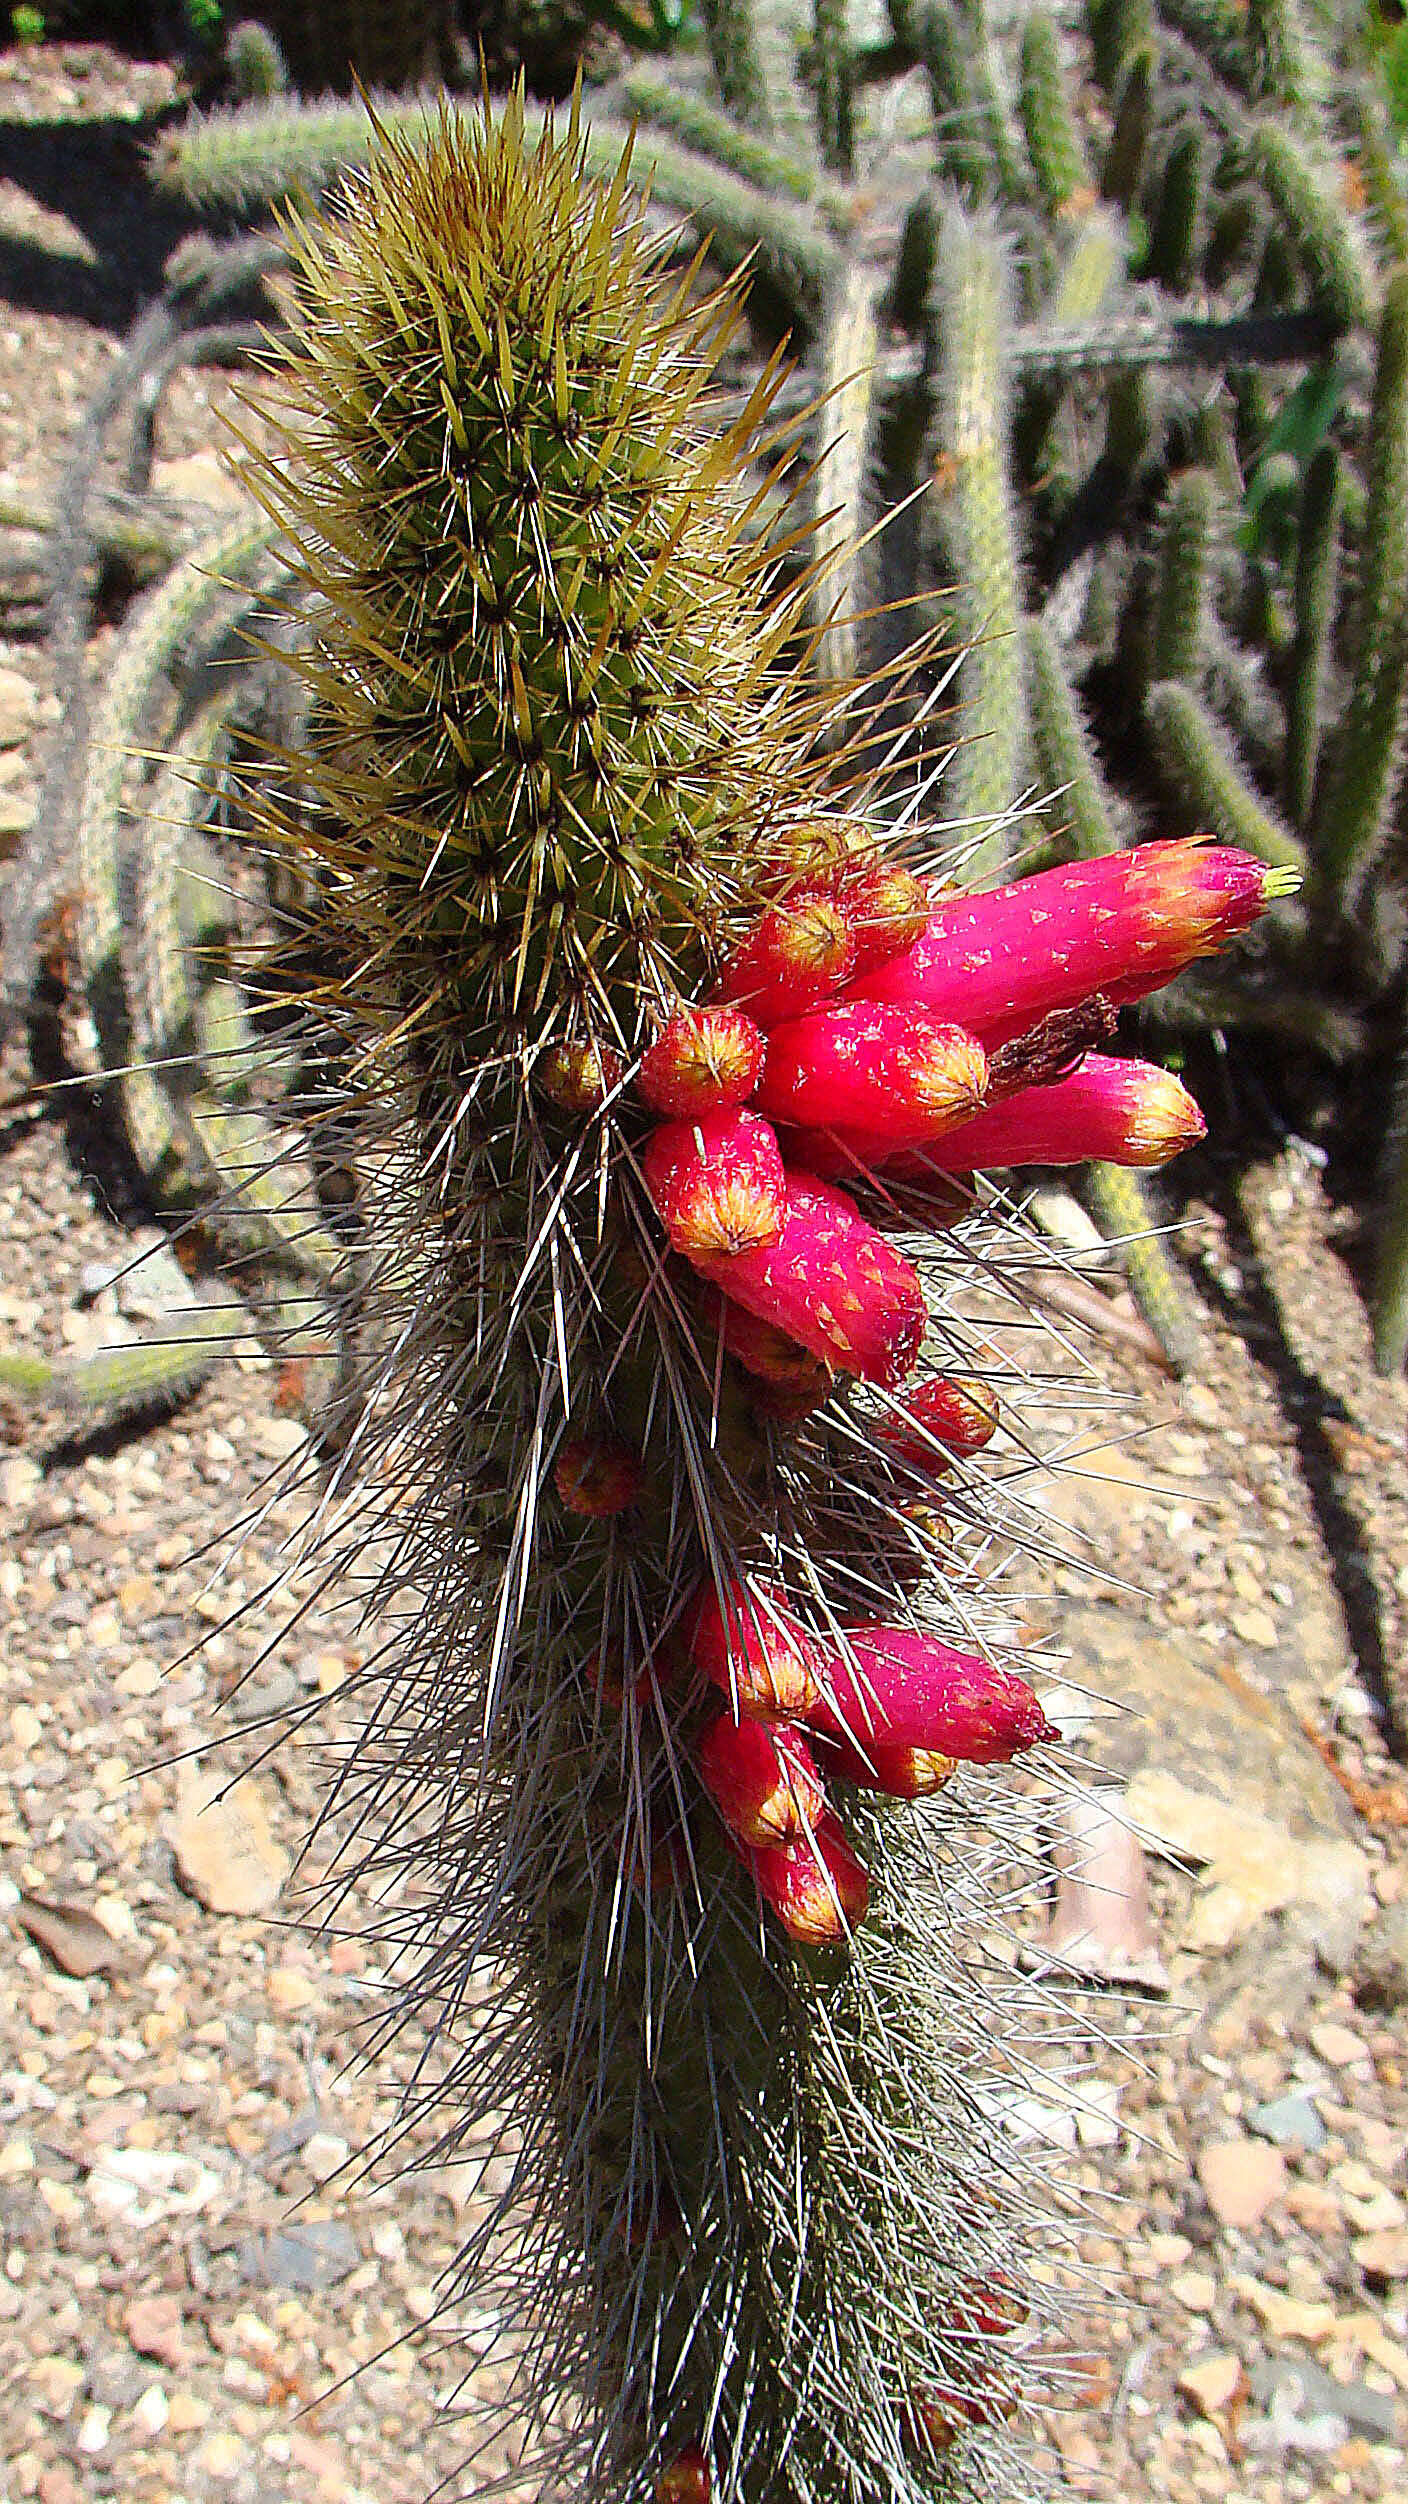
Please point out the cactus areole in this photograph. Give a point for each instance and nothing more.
(675, 1659)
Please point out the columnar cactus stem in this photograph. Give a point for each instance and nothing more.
(670, 1625)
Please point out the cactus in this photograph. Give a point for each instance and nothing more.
(1355, 818)
(1053, 140)
(850, 347)
(1183, 589)
(1317, 569)
(666, 1681)
(1199, 760)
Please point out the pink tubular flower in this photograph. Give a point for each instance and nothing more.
(816, 1885)
(897, 1076)
(937, 1419)
(704, 1060)
(796, 954)
(902, 1773)
(748, 1644)
(717, 1183)
(909, 1690)
(1122, 924)
(831, 1281)
(762, 1779)
(764, 1351)
(1123, 1112)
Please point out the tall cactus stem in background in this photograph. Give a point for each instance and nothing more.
(1183, 589)
(1048, 119)
(732, 32)
(1390, 1298)
(1197, 757)
(850, 345)
(833, 78)
(971, 490)
(1357, 810)
(1064, 749)
(1317, 582)
(1119, 1201)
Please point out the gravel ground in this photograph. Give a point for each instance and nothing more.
(195, 2302)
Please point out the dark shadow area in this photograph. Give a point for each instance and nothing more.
(1310, 1407)
(94, 174)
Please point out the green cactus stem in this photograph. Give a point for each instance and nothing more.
(1123, 167)
(833, 80)
(971, 493)
(731, 29)
(1064, 750)
(156, 1371)
(1183, 588)
(850, 346)
(1386, 199)
(1354, 818)
(1048, 119)
(1173, 239)
(1198, 759)
(1303, 191)
(1118, 30)
(698, 125)
(1119, 1200)
(1317, 579)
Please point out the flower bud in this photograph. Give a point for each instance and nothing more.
(874, 1765)
(596, 1476)
(762, 1778)
(705, 1060)
(894, 1077)
(936, 1419)
(816, 1885)
(831, 1281)
(718, 1184)
(577, 1077)
(765, 1351)
(747, 1642)
(905, 1689)
(796, 955)
(936, 2418)
(886, 906)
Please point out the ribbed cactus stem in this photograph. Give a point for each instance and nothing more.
(732, 32)
(1065, 752)
(849, 349)
(972, 492)
(661, 105)
(1175, 225)
(1118, 29)
(833, 79)
(1048, 119)
(1354, 819)
(1123, 167)
(1306, 197)
(1198, 758)
(1376, 158)
(1317, 582)
(1183, 588)
(1118, 1200)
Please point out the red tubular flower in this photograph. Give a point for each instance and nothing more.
(717, 1183)
(762, 1780)
(1122, 924)
(596, 1476)
(817, 1886)
(936, 1420)
(875, 1765)
(831, 1281)
(748, 1643)
(767, 1352)
(896, 1076)
(705, 1060)
(909, 1690)
(1123, 1112)
(886, 906)
(797, 954)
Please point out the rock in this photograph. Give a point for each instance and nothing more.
(18, 705)
(58, 2383)
(1383, 2255)
(155, 2327)
(1381, 1965)
(1240, 2178)
(305, 2254)
(71, 1937)
(1285, 2316)
(1337, 2045)
(146, 2186)
(198, 478)
(151, 2411)
(224, 1851)
(1290, 2122)
(1252, 1866)
(1213, 2382)
(1211, 1731)
(1314, 2395)
(1194, 2289)
(1100, 1925)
